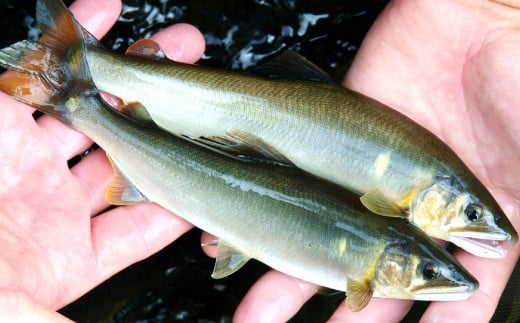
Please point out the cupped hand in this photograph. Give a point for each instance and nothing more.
(52, 248)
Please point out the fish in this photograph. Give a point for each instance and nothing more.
(290, 220)
(298, 117)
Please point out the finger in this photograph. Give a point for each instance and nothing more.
(96, 16)
(207, 241)
(509, 3)
(94, 173)
(17, 306)
(377, 310)
(181, 43)
(125, 235)
(275, 297)
(69, 141)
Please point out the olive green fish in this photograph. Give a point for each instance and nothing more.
(281, 216)
(398, 167)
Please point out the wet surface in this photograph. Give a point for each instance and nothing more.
(175, 284)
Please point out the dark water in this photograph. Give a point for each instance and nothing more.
(175, 284)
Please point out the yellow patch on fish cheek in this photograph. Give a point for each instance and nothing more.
(391, 273)
(381, 164)
(391, 276)
(429, 213)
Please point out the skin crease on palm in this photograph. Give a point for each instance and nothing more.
(447, 64)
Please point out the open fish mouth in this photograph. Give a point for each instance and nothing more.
(481, 246)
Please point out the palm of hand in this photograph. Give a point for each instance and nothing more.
(35, 222)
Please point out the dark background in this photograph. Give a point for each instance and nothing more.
(175, 284)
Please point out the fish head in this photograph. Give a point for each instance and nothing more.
(447, 210)
(419, 271)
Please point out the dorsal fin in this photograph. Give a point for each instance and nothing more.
(291, 65)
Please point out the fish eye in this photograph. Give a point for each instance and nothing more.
(430, 271)
(473, 212)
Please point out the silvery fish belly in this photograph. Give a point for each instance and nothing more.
(281, 216)
(399, 168)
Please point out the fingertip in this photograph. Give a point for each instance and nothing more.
(181, 42)
(96, 16)
(377, 310)
(275, 297)
(127, 234)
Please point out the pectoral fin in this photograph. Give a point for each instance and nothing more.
(244, 146)
(359, 293)
(377, 202)
(228, 260)
(146, 48)
(122, 191)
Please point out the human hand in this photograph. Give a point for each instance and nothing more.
(52, 248)
(451, 66)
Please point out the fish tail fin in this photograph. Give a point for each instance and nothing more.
(50, 71)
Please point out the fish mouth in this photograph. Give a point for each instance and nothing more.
(440, 295)
(481, 244)
(448, 291)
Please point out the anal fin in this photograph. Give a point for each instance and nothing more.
(228, 261)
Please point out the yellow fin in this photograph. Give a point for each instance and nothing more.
(376, 202)
(121, 191)
(146, 48)
(244, 146)
(228, 261)
(359, 293)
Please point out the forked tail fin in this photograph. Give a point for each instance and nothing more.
(50, 71)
